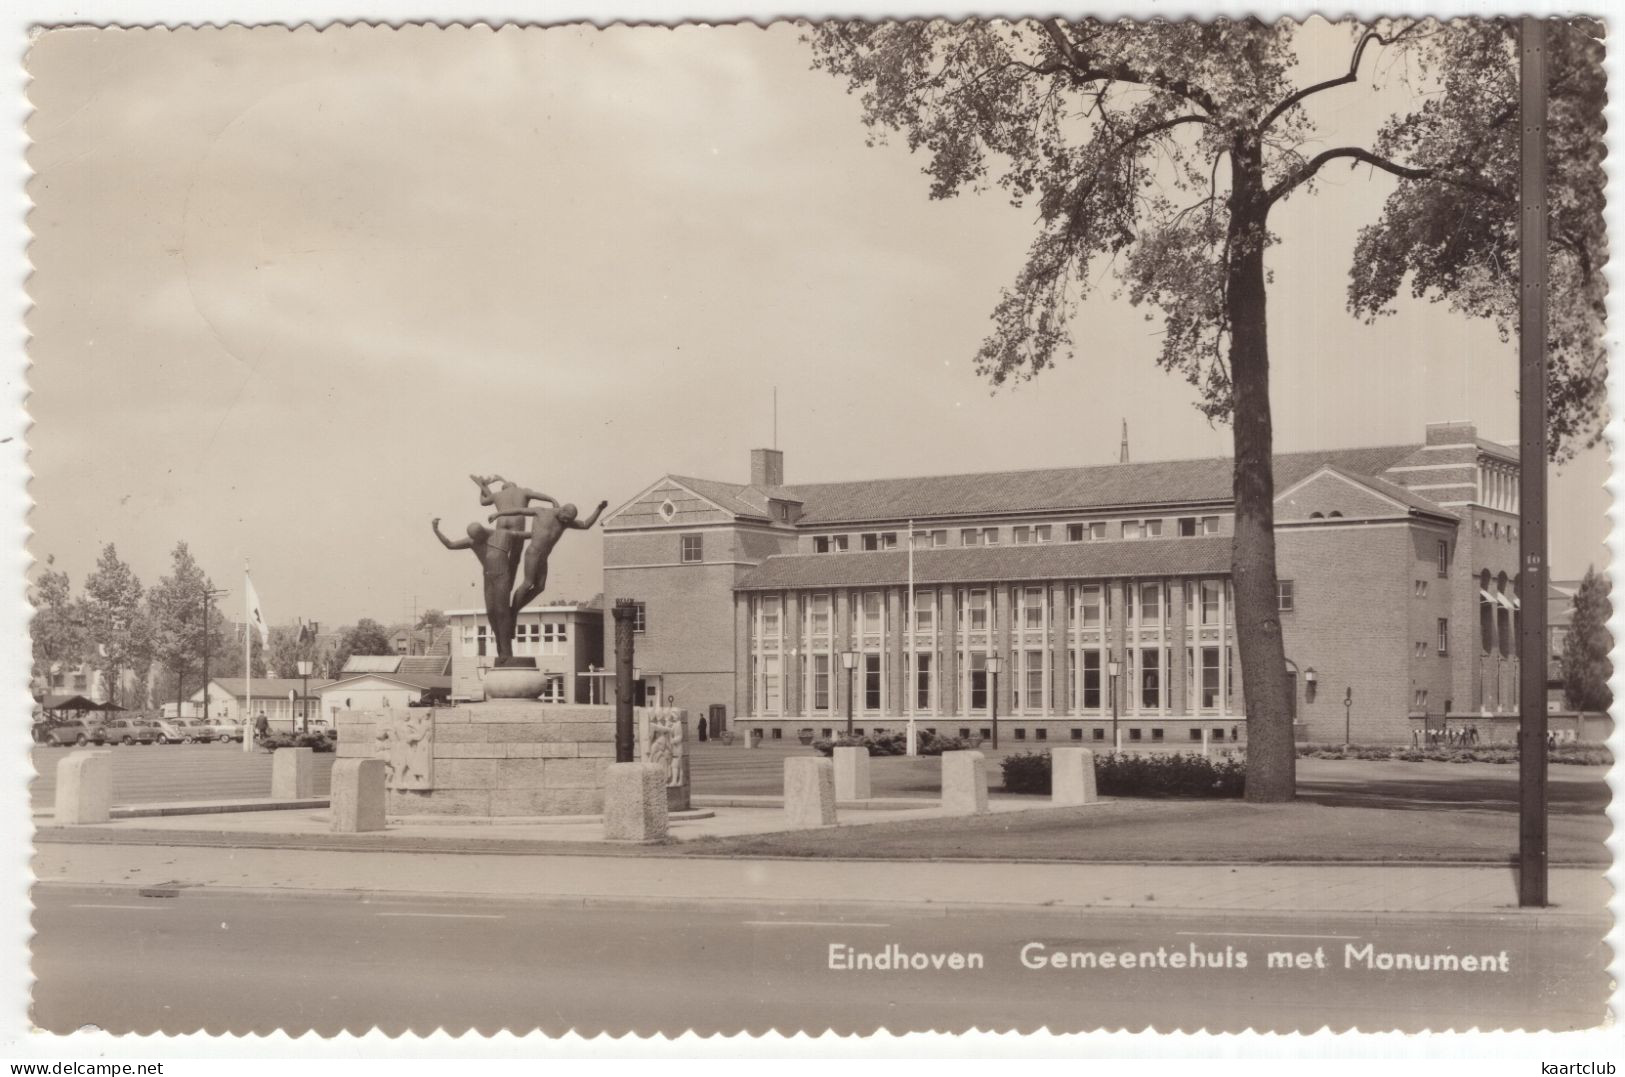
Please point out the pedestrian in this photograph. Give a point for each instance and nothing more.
(702, 727)
(262, 730)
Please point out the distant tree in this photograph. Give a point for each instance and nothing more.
(367, 637)
(1586, 667)
(434, 620)
(288, 648)
(57, 637)
(115, 620)
(176, 608)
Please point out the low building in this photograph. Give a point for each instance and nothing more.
(1397, 566)
(381, 691)
(281, 699)
(567, 642)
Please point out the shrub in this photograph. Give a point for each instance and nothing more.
(320, 742)
(929, 743)
(1574, 754)
(1173, 775)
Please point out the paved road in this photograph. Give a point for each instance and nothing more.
(238, 962)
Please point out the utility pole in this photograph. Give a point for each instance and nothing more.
(1532, 284)
(623, 611)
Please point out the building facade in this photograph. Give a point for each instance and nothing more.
(567, 642)
(1397, 596)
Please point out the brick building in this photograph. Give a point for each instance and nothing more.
(1397, 568)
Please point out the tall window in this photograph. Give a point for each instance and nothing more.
(871, 682)
(771, 605)
(640, 618)
(1089, 605)
(1150, 677)
(821, 682)
(1091, 680)
(771, 696)
(1284, 598)
(820, 615)
(978, 611)
(1444, 559)
(1033, 686)
(978, 682)
(871, 613)
(1032, 607)
(925, 610)
(1210, 602)
(693, 545)
(922, 682)
(1150, 603)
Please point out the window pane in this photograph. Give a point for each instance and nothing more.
(1091, 679)
(871, 682)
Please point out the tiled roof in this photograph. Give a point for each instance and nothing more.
(414, 680)
(428, 665)
(1206, 555)
(371, 663)
(267, 687)
(1415, 502)
(1165, 482)
(730, 496)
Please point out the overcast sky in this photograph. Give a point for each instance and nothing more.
(293, 287)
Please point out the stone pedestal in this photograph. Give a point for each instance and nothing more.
(293, 773)
(852, 774)
(750, 739)
(964, 783)
(357, 796)
(809, 792)
(501, 758)
(1072, 776)
(84, 788)
(635, 802)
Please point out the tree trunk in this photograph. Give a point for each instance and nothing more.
(1271, 753)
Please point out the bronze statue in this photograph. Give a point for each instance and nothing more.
(507, 498)
(498, 549)
(550, 526)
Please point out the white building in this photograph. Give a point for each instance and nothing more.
(567, 642)
(280, 699)
(380, 691)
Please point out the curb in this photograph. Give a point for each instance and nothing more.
(1549, 917)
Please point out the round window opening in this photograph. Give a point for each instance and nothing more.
(667, 510)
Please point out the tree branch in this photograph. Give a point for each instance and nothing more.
(1342, 80)
(1086, 68)
(1302, 175)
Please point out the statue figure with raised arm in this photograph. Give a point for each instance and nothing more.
(507, 498)
(497, 549)
(550, 526)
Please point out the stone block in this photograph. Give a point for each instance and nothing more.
(358, 796)
(521, 773)
(462, 733)
(1072, 776)
(508, 802)
(539, 751)
(634, 802)
(293, 773)
(809, 792)
(852, 774)
(440, 802)
(473, 750)
(575, 773)
(466, 774)
(594, 749)
(84, 788)
(964, 783)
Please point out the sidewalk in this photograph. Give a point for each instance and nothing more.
(1226, 889)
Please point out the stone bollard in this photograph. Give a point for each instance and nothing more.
(852, 774)
(964, 783)
(84, 788)
(358, 795)
(1072, 776)
(809, 792)
(634, 802)
(750, 739)
(293, 773)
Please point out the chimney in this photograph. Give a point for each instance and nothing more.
(766, 467)
(1456, 432)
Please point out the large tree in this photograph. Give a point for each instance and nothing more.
(366, 637)
(115, 621)
(55, 632)
(1449, 243)
(1160, 149)
(1586, 667)
(179, 605)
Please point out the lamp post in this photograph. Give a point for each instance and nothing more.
(995, 663)
(849, 660)
(1348, 709)
(304, 699)
(1112, 669)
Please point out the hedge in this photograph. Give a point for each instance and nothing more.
(1162, 775)
(1575, 754)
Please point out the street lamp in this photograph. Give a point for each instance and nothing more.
(849, 659)
(305, 665)
(1348, 709)
(1112, 669)
(995, 663)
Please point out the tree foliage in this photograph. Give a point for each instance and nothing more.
(366, 637)
(114, 619)
(1451, 244)
(176, 608)
(57, 638)
(1586, 667)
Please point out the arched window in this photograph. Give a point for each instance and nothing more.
(1317, 516)
(1503, 614)
(1334, 512)
(1486, 613)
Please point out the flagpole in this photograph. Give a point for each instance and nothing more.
(908, 626)
(248, 660)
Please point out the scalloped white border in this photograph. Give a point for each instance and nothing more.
(18, 1041)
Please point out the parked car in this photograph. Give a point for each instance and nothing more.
(66, 733)
(125, 731)
(185, 731)
(224, 729)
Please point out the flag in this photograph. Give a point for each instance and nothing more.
(255, 617)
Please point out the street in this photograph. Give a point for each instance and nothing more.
(241, 962)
